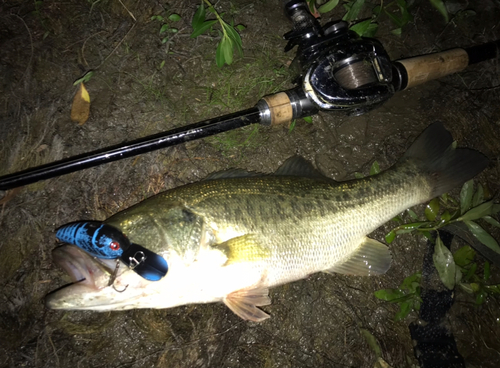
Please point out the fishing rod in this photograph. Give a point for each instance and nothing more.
(334, 70)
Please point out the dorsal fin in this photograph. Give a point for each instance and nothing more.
(294, 166)
(299, 166)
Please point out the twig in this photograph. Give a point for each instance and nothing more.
(31, 44)
(132, 15)
(119, 43)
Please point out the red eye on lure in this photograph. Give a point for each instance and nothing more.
(114, 245)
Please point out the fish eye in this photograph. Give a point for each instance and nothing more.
(114, 245)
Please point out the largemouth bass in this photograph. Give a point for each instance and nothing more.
(234, 235)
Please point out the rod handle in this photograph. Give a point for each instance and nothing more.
(424, 68)
(279, 110)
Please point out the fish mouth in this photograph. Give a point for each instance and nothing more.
(90, 278)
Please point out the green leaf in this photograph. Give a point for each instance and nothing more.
(466, 288)
(292, 125)
(397, 219)
(412, 214)
(227, 49)
(408, 228)
(466, 196)
(492, 289)
(163, 28)
(389, 238)
(490, 220)
(432, 209)
(439, 5)
(174, 17)
(328, 6)
(404, 310)
(470, 272)
(375, 169)
(199, 16)
(308, 119)
(482, 236)
(405, 14)
(478, 197)
(354, 10)
(464, 256)
(371, 30)
(396, 31)
(240, 27)
(235, 38)
(446, 216)
(219, 55)
(475, 287)
(361, 27)
(372, 342)
(480, 297)
(458, 276)
(358, 175)
(444, 263)
(487, 271)
(203, 27)
(389, 295)
(475, 213)
(85, 78)
(412, 282)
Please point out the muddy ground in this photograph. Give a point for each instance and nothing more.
(142, 86)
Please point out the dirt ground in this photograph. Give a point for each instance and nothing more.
(142, 86)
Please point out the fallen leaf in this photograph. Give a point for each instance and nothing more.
(80, 109)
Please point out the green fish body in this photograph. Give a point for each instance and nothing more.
(233, 236)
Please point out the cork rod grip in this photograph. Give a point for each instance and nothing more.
(421, 69)
(280, 108)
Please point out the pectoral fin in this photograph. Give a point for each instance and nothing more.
(244, 248)
(370, 258)
(244, 303)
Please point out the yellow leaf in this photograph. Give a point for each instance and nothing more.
(80, 109)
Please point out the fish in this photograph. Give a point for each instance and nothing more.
(233, 236)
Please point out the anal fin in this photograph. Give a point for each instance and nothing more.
(244, 303)
(370, 258)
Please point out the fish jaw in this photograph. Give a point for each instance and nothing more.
(90, 289)
(205, 281)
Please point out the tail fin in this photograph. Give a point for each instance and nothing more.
(447, 167)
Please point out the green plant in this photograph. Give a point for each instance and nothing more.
(230, 38)
(407, 295)
(453, 269)
(307, 119)
(471, 280)
(396, 10)
(166, 30)
(444, 210)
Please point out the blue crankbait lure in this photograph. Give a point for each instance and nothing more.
(105, 241)
(94, 237)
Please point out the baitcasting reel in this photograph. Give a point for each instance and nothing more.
(335, 68)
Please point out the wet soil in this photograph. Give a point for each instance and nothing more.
(142, 86)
